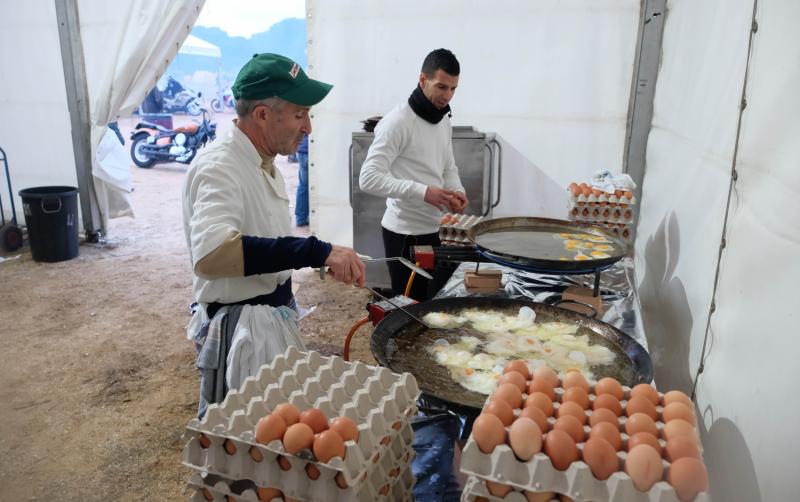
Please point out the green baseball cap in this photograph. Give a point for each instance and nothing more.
(271, 75)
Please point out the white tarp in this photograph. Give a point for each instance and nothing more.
(744, 395)
(196, 46)
(126, 48)
(552, 78)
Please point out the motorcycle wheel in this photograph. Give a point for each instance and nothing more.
(140, 158)
(193, 108)
(215, 105)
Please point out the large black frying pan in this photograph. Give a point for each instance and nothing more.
(392, 345)
(532, 244)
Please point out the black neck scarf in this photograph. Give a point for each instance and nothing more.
(424, 108)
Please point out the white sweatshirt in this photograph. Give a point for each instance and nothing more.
(407, 155)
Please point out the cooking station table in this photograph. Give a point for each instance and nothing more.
(435, 437)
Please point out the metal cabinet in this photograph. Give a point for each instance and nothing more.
(478, 156)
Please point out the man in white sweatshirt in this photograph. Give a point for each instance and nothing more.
(411, 163)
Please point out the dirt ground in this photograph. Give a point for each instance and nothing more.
(97, 377)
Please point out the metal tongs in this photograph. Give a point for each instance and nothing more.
(367, 259)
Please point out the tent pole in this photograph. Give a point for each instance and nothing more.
(69, 34)
(643, 89)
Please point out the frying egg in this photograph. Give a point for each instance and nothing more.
(581, 257)
(600, 254)
(603, 247)
(488, 432)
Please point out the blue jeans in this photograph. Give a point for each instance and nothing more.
(301, 200)
(434, 443)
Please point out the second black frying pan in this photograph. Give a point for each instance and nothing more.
(541, 244)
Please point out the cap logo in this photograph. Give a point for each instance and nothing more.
(295, 70)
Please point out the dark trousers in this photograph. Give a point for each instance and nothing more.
(400, 245)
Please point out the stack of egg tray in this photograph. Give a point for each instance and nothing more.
(613, 213)
(376, 467)
(576, 482)
(453, 229)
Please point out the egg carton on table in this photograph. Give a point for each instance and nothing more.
(454, 227)
(382, 485)
(577, 481)
(378, 401)
(601, 215)
(475, 489)
(603, 199)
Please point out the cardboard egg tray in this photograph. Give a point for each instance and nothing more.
(604, 199)
(600, 214)
(377, 400)
(454, 231)
(577, 481)
(475, 488)
(384, 484)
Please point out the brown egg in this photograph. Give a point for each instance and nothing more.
(678, 411)
(525, 438)
(230, 447)
(539, 496)
(574, 409)
(312, 471)
(609, 402)
(603, 415)
(681, 447)
(509, 393)
(289, 412)
(497, 489)
(346, 428)
(516, 379)
(298, 437)
(611, 386)
(641, 404)
(203, 440)
(677, 396)
(571, 426)
(607, 431)
(488, 432)
(678, 427)
(645, 439)
(207, 494)
(578, 395)
(541, 401)
(644, 467)
(256, 454)
(601, 457)
(564, 498)
(267, 494)
(688, 476)
(647, 391)
(501, 410)
(639, 422)
(547, 374)
(315, 419)
(327, 445)
(561, 448)
(270, 428)
(575, 378)
(340, 481)
(544, 386)
(537, 416)
(284, 464)
(518, 366)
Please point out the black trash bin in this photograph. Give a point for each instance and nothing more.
(51, 215)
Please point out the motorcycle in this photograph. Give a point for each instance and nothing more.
(151, 143)
(174, 98)
(227, 103)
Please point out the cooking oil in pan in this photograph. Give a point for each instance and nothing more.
(411, 351)
(547, 244)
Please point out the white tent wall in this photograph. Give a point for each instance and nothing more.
(551, 78)
(125, 48)
(747, 422)
(34, 130)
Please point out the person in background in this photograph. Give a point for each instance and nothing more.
(238, 227)
(411, 163)
(301, 198)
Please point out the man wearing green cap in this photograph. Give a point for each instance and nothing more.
(235, 207)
